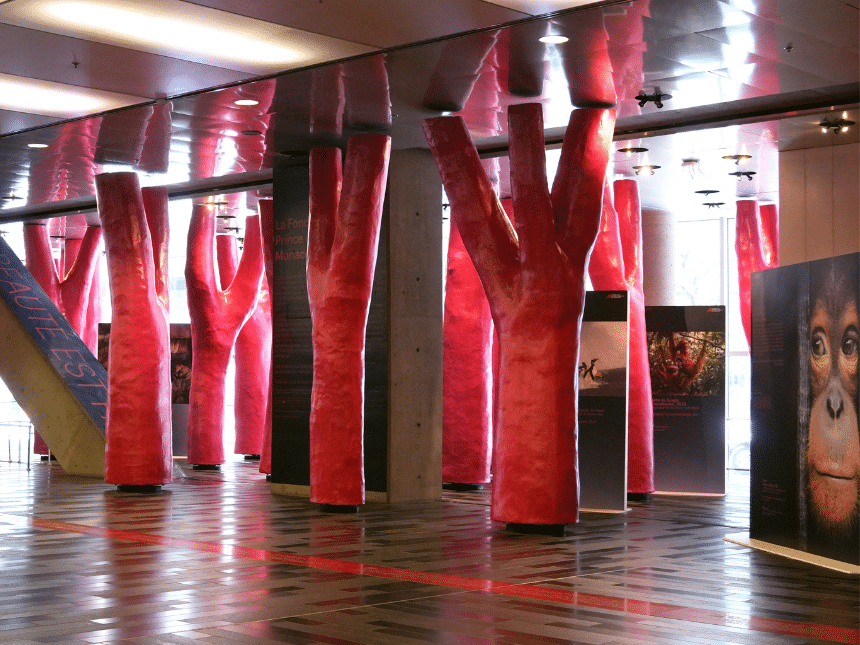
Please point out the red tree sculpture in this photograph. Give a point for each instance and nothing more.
(217, 315)
(253, 357)
(267, 232)
(749, 249)
(534, 281)
(467, 364)
(139, 413)
(616, 265)
(343, 237)
(76, 293)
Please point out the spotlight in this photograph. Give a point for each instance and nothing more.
(713, 204)
(743, 173)
(836, 125)
(657, 97)
(645, 167)
(629, 150)
(706, 191)
(738, 159)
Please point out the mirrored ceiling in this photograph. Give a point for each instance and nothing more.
(693, 82)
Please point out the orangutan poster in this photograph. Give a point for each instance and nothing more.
(687, 358)
(603, 402)
(805, 448)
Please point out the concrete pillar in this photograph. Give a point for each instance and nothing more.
(415, 318)
(658, 257)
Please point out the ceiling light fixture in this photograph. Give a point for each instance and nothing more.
(657, 97)
(713, 204)
(244, 102)
(836, 125)
(34, 96)
(182, 30)
(251, 133)
(631, 149)
(738, 159)
(645, 167)
(743, 173)
(554, 39)
(706, 191)
(691, 166)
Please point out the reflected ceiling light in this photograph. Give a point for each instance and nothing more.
(738, 159)
(251, 133)
(34, 96)
(37, 145)
(836, 125)
(657, 97)
(649, 168)
(181, 30)
(554, 39)
(743, 173)
(631, 149)
(244, 102)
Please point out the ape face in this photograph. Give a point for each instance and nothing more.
(833, 451)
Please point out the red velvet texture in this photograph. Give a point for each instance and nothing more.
(616, 264)
(253, 357)
(76, 292)
(217, 315)
(534, 279)
(138, 413)
(751, 247)
(343, 238)
(267, 232)
(467, 363)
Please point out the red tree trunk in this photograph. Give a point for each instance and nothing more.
(216, 315)
(343, 237)
(467, 382)
(267, 232)
(748, 246)
(640, 415)
(75, 292)
(769, 234)
(252, 357)
(138, 413)
(535, 282)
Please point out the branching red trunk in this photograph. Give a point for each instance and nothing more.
(343, 237)
(534, 281)
(615, 265)
(253, 357)
(139, 412)
(217, 315)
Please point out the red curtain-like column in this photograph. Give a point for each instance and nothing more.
(267, 233)
(467, 363)
(750, 252)
(534, 279)
(139, 411)
(616, 265)
(343, 237)
(217, 315)
(253, 357)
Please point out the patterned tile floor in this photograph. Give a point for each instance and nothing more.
(216, 559)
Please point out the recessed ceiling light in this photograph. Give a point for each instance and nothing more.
(181, 30)
(244, 102)
(37, 145)
(33, 96)
(554, 39)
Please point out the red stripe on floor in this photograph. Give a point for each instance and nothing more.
(531, 591)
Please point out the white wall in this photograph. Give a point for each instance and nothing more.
(819, 203)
